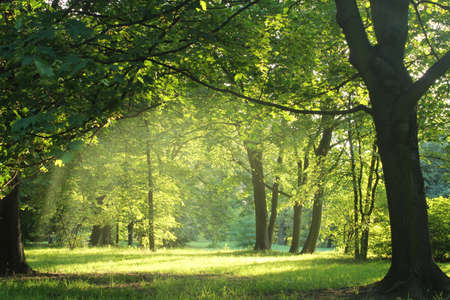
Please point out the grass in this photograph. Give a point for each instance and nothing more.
(111, 273)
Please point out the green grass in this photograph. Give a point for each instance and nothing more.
(109, 273)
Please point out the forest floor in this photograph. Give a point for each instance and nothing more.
(129, 273)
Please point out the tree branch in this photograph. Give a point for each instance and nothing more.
(265, 103)
(415, 92)
(435, 3)
(422, 26)
(228, 20)
(349, 19)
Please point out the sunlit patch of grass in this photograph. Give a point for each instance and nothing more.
(110, 273)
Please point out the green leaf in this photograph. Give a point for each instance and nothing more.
(43, 68)
(238, 76)
(203, 5)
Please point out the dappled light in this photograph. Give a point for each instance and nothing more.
(222, 149)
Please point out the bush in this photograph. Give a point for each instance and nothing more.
(439, 224)
(380, 236)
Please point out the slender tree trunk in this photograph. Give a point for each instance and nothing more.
(298, 207)
(321, 152)
(313, 235)
(273, 212)
(296, 228)
(274, 204)
(130, 228)
(12, 256)
(117, 234)
(259, 195)
(355, 192)
(369, 202)
(151, 208)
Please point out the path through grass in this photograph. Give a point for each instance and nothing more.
(109, 273)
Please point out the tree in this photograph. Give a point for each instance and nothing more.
(12, 256)
(321, 152)
(394, 97)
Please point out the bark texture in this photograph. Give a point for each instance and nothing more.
(394, 97)
(12, 257)
(296, 228)
(259, 196)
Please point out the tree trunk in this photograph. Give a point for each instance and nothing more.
(259, 196)
(151, 207)
(321, 152)
(356, 195)
(117, 234)
(106, 235)
(12, 256)
(413, 271)
(274, 204)
(311, 240)
(296, 228)
(130, 228)
(394, 98)
(364, 242)
(95, 236)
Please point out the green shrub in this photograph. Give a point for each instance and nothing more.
(439, 224)
(243, 231)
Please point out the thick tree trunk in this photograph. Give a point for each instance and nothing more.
(94, 240)
(296, 228)
(274, 204)
(413, 271)
(394, 97)
(12, 257)
(130, 228)
(106, 235)
(259, 196)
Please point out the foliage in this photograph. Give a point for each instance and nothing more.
(435, 165)
(439, 220)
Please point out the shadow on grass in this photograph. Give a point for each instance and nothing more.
(167, 286)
